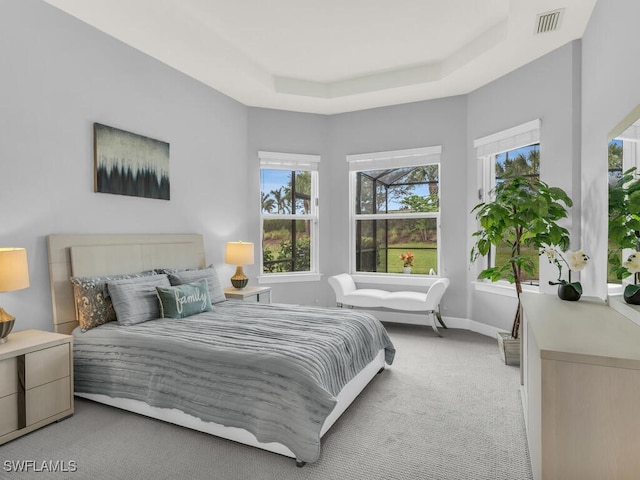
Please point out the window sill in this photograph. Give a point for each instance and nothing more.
(615, 289)
(410, 280)
(289, 277)
(503, 288)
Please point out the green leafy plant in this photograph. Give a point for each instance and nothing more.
(523, 213)
(624, 220)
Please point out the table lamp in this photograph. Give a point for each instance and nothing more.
(239, 254)
(14, 275)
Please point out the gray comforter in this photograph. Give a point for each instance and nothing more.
(273, 370)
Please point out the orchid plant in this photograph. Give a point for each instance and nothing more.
(407, 259)
(573, 261)
(632, 264)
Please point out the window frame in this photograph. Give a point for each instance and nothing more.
(487, 148)
(413, 157)
(630, 139)
(293, 162)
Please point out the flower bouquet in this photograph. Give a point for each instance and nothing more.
(407, 259)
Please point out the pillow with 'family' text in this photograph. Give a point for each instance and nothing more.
(184, 300)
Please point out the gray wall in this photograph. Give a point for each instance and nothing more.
(291, 132)
(421, 124)
(610, 90)
(58, 77)
(437, 122)
(548, 89)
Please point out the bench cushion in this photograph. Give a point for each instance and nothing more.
(366, 297)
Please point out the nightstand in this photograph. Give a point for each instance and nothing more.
(261, 294)
(36, 381)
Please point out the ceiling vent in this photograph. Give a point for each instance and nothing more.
(549, 21)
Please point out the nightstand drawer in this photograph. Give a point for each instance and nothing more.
(46, 365)
(8, 377)
(36, 381)
(47, 400)
(9, 415)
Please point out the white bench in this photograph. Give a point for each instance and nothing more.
(348, 294)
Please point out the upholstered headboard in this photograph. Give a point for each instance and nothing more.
(109, 254)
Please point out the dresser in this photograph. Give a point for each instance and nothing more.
(36, 381)
(581, 389)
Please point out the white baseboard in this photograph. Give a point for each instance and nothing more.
(412, 318)
(472, 325)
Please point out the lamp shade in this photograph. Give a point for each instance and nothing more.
(239, 253)
(14, 270)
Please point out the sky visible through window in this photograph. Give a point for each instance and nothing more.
(274, 179)
(501, 157)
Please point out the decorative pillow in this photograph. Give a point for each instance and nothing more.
(93, 303)
(135, 299)
(209, 274)
(184, 300)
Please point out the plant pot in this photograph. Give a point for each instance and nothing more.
(509, 348)
(631, 294)
(406, 269)
(568, 292)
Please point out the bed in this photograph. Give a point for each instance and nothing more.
(275, 377)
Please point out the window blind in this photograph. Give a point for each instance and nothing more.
(510, 139)
(412, 157)
(288, 161)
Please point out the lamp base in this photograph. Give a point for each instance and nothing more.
(6, 324)
(239, 279)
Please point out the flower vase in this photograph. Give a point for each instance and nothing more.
(568, 292)
(631, 294)
(406, 269)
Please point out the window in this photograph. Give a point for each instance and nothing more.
(289, 213)
(622, 155)
(509, 153)
(395, 208)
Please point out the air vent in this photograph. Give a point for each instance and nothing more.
(549, 21)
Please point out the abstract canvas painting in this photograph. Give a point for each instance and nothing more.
(130, 164)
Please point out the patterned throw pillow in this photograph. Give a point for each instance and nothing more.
(93, 302)
(181, 277)
(184, 300)
(135, 300)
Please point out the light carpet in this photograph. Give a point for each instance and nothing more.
(448, 408)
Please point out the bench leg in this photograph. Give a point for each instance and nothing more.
(434, 325)
(437, 312)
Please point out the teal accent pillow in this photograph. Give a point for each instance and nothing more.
(184, 300)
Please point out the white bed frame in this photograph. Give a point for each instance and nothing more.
(95, 255)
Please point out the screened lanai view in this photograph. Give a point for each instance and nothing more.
(397, 212)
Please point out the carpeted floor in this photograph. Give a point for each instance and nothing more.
(448, 408)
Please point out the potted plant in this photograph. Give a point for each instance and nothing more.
(624, 227)
(632, 291)
(523, 213)
(574, 261)
(407, 262)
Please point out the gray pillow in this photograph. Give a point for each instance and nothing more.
(93, 303)
(209, 274)
(135, 299)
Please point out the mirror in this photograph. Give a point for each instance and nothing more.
(623, 154)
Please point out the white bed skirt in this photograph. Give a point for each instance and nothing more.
(346, 396)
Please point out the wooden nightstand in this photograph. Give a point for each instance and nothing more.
(36, 381)
(261, 294)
